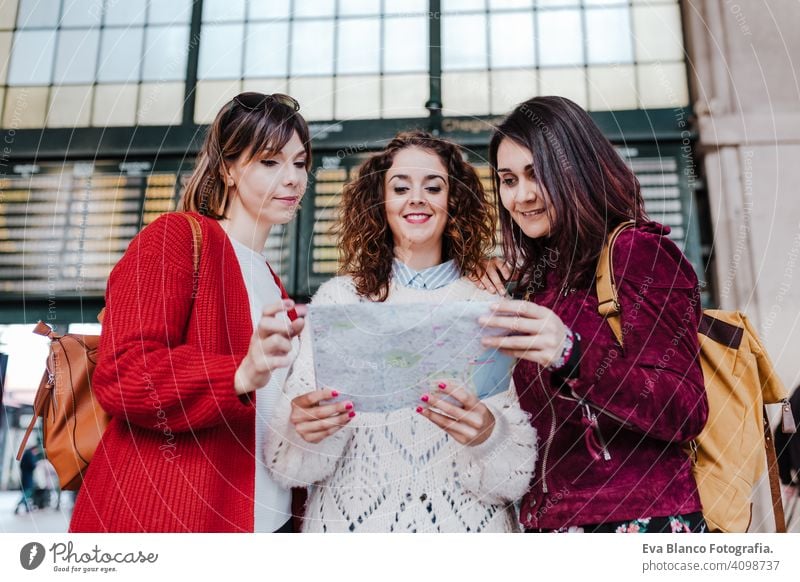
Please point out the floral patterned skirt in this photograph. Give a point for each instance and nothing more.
(686, 523)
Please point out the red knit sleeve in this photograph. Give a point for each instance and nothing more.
(144, 374)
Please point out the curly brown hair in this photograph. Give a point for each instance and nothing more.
(366, 244)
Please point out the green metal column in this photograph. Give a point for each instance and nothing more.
(434, 104)
(191, 63)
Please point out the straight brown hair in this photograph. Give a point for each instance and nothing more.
(589, 186)
(238, 131)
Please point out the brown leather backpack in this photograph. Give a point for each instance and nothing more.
(73, 422)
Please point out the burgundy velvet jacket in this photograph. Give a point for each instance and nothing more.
(610, 438)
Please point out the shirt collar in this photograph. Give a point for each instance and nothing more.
(430, 278)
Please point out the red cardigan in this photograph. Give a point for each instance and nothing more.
(178, 453)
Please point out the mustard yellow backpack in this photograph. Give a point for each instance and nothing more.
(728, 456)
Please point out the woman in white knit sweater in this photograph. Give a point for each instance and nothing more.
(413, 226)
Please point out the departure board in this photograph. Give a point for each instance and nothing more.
(63, 226)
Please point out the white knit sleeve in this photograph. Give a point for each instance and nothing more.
(292, 461)
(500, 469)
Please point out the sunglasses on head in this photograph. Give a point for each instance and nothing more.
(253, 101)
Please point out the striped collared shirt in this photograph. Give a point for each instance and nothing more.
(430, 278)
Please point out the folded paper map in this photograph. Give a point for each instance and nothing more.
(383, 357)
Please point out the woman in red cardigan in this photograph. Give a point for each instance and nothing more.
(183, 354)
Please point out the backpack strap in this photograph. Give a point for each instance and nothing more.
(774, 481)
(41, 401)
(197, 245)
(607, 297)
(284, 295)
(197, 240)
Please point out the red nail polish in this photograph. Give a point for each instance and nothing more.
(419, 409)
(442, 385)
(351, 414)
(425, 398)
(348, 406)
(334, 394)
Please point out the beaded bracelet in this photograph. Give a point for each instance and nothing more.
(569, 344)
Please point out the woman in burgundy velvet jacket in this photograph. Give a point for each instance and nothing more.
(611, 418)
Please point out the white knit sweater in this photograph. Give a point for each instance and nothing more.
(397, 471)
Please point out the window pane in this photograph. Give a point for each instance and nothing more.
(38, 13)
(657, 31)
(606, 2)
(495, 4)
(512, 41)
(5, 53)
(260, 10)
(70, 106)
(359, 46)
(663, 85)
(165, 54)
(77, 56)
(114, 105)
(8, 14)
(465, 93)
(306, 8)
(221, 51)
(359, 7)
(315, 95)
(551, 3)
(405, 46)
(25, 107)
(82, 13)
(211, 96)
(510, 88)
(267, 45)
(125, 13)
(464, 42)
(358, 97)
(405, 96)
(120, 55)
(160, 104)
(223, 10)
(312, 47)
(608, 35)
(612, 88)
(405, 6)
(170, 12)
(276, 85)
(567, 82)
(463, 5)
(32, 57)
(560, 37)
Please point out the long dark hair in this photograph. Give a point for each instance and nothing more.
(366, 245)
(590, 188)
(237, 130)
